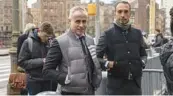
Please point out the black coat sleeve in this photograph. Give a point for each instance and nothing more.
(101, 49)
(25, 60)
(53, 60)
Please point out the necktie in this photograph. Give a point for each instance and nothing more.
(88, 58)
(83, 44)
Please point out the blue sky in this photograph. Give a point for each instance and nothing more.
(31, 2)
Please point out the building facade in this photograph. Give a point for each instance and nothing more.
(36, 4)
(56, 12)
(140, 14)
(106, 16)
(167, 4)
(36, 16)
(6, 20)
(5, 23)
(160, 20)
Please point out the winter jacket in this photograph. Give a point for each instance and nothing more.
(125, 48)
(32, 62)
(73, 66)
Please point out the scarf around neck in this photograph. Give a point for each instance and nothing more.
(123, 26)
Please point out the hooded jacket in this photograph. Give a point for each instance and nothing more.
(32, 62)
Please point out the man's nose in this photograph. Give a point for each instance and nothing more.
(81, 24)
(122, 14)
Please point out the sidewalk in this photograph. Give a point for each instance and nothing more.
(4, 51)
(3, 91)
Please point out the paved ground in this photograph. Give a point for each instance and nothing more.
(4, 52)
(5, 67)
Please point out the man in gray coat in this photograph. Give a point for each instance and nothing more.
(71, 60)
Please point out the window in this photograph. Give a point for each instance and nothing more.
(6, 28)
(45, 10)
(1, 28)
(1, 11)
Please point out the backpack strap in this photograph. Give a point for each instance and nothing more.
(30, 43)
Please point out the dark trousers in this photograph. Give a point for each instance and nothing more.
(118, 86)
(69, 93)
(35, 87)
(54, 85)
(24, 91)
(169, 88)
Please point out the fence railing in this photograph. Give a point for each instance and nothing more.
(153, 82)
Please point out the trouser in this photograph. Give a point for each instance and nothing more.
(54, 85)
(24, 91)
(35, 87)
(169, 88)
(70, 93)
(119, 86)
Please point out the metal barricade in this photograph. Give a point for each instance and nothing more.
(153, 82)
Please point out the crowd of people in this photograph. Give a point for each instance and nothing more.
(75, 62)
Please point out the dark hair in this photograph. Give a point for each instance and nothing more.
(171, 23)
(158, 30)
(124, 2)
(47, 28)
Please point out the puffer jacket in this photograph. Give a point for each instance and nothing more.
(73, 67)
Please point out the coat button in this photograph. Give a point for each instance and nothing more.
(130, 63)
(128, 52)
(126, 41)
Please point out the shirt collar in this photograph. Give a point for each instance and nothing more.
(79, 36)
(76, 36)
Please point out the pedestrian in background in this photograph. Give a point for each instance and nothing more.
(28, 29)
(159, 39)
(33, 59)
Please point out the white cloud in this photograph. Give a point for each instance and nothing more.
(30, 2)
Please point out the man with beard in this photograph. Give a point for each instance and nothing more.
(126, 56)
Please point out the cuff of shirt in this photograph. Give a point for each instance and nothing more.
(106, 64)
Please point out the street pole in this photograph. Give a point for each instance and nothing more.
(15, 34)
(152, 16)
(23, 14)
(97, 22)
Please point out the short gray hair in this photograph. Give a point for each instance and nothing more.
(29, 27)
(77, 8)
